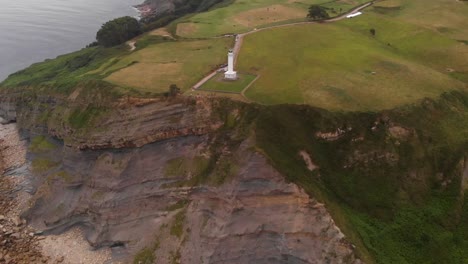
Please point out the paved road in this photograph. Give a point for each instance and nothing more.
(240, 37)
(204, 80)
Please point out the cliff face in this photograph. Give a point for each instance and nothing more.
(138, 197)
(204, 180)
(8, 108)
(97, 121)
(170, 179)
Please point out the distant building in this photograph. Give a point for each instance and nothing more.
(230, 74)
(354, 15)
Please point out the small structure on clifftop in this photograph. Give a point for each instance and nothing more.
(230, 74)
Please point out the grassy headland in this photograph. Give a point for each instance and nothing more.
(389, 172)
(242, 16)
(156, 67)
(342, 66)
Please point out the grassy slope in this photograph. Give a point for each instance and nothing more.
(157, 63)
(443, 16)
(332, 64)
(156, 67)
(387, 193)
(244, 15)
(65, 71)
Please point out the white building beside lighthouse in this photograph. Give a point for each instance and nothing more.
(230, 74)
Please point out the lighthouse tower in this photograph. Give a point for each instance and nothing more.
(230, 74)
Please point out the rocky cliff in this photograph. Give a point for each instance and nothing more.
(209, 180)
(84, 122)
(168, 180)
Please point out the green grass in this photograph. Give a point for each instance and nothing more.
(219, 84)
(40, 144)
(179, 205)
(242, 16)
(442, 16)
(177, 227)
(340, 66)
(182, 166)
(41, 165)
(65, 71)
(156, 67)
(83, 118)
(176, 167)
(145, 256)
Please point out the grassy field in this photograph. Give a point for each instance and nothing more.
(154, 68)
(245, 15)
(217, 83)
(341, 66)
(442, 16)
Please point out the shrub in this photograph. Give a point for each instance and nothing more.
(317, 12)
(117, 31)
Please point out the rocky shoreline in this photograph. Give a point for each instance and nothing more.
(19, 242)
(145, 10)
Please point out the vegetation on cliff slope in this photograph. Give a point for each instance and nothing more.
(392, 179)
(117, 31)
(65, 71)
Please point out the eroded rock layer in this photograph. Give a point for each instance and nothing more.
(137, 197)
(167, 179)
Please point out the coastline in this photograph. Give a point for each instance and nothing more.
(57, 28)
(145, 10)
(21, 243)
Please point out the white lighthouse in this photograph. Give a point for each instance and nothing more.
(230, 74)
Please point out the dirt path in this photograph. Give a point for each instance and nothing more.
(132, 45)
(248, 86)
(204, 80)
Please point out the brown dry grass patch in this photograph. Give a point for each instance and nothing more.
(148, 76)
(161, 32)
(186, 29)
(266, 15)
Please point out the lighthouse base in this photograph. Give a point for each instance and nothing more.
(230, 75)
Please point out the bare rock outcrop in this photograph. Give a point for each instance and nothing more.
(157, 176)
(18, 242)
(137, 197)
(89, 120)
(259, 218)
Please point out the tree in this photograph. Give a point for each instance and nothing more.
(317, 12)
(173, 90)
(117, 31)
(372, 31)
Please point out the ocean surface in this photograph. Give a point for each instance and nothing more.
(35, 30)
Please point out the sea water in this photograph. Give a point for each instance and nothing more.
(35, 30)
